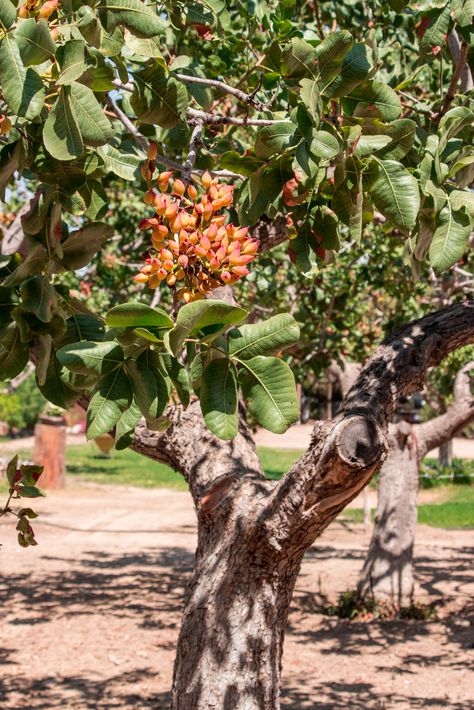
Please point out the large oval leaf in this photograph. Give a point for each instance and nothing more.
(134, 315)
(22, 88)
(395, 193)
(89, 358)
(450, 238)
(132, 14)
(266, 338)
(61, 135)
(94, 126)
(218, 397)
(269, 387)
(35, 42)
(149, 385)
(106, 406)
(13, 353)
(206, 318)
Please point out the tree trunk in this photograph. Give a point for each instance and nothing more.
(388, 570)
(231, 639)
(445, 453)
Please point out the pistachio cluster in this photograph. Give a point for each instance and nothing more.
(194, 249)
(39, 10)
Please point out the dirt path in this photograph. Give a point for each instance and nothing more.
(89, 617)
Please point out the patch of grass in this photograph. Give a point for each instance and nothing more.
(455, 510)
(125, 468)
(276, 462)
(350, 606)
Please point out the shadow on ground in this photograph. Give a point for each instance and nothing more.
(148, 588)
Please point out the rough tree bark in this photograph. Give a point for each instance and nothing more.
(252, 533)
(388, 571)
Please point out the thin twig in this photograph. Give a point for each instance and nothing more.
(222, 86)
(195, 142)
(217, 120)
(167, 162)
(213, 118)
(129, 125)
(455, 79)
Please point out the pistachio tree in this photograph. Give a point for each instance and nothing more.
(242, 127)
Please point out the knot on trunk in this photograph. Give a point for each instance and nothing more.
(359, 442)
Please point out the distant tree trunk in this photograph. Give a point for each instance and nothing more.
(445, 453)
(388, 569)
(388, 572)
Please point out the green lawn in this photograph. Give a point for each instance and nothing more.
(128, 468)
(456, 510)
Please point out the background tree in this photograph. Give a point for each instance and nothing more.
(302, 117)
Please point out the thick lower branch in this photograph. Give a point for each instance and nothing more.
(345, 453)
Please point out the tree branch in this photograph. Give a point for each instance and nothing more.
(442, 428)
(218, 120)
(222, 86)
(143, 143)
(458, 70)
(454, 45)
(345, 453)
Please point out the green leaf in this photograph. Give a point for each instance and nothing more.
(203, 318)
(22, 88)
(273, 139)
(460, 199)
(356, 67)
(299, 60)
(401, 133)
(179, 377)
(106, 406)
(266, 338)
(125, 165)
(452, 122)
(301, 249)
(435, 33)
(310, 97)
(395, 193)
(398, 5)
(71, 58)
(330, 54)
(158, 98)
(89, 358)
(450, 238)
(146, 47)
(35, 42)
(373, 100)
(269, 387)
(39, 297)
(7, 13)
(134, 315)
(243, 164)
(81, 327)
(61, 135)
(96, 199)
(94, 126)
(54, 389)
(125, 427)
(218, 396)
(324, 145)
(462, 12)
(34, 263)
(132, 14)
(149, 385)
(367, 145)
(14, 354)
(82, 245)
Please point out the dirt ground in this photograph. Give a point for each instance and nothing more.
(90, 616)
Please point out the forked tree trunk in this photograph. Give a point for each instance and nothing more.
(252, 533)
(388, 569)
